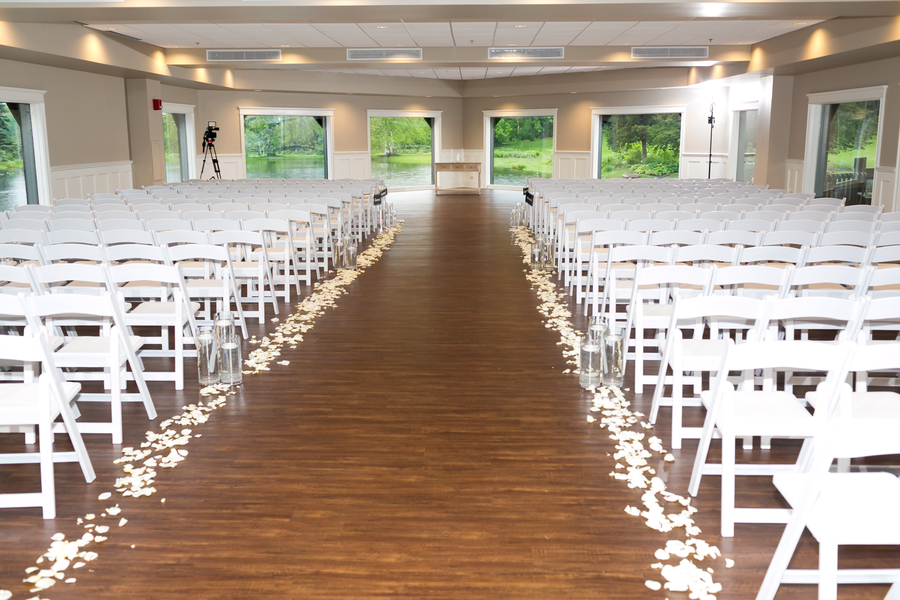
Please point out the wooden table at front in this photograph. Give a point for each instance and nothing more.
(460, 168)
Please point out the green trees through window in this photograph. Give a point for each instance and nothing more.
(523, 148)
(648, 145)
(285, 146)
(12, 176)
(401, 150)
(846, 161)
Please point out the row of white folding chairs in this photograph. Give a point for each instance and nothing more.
(584, 270)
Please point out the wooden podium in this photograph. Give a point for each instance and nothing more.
(461, 168)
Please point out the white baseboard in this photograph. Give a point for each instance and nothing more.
(79, 181)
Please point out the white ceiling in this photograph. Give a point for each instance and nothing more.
(465, 72)
(446, 34)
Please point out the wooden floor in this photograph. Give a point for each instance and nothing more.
(423, 443)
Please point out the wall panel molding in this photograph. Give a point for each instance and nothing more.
(572, 165)
(231, 165)
(883, 188)
(79, 181)
(352, 165)
(695, 165)
(793, 175)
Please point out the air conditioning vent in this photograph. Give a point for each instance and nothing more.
(384, 54)
(531, 53)
(670, 52)
(242, 55)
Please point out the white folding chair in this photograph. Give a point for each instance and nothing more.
(250, 265)
(744, 411)
(111, 351)
(30, 404)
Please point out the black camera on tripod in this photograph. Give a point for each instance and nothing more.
(209, 136)
(209, 150)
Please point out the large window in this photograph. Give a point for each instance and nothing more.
(12, 166)
(647, 144)
(173, 140)
(842, 144)
(845, 163)
(746, 150)
(402, 150)
(522, 147)
(285, 146)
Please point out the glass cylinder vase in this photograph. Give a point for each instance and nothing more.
(589, 367)
(614, 358)
(230, 360)
(207, 354)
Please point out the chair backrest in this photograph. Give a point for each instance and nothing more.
(71, 252)
(20, 252)
(852, 225)
(216, 224)
(174, 236)
(833, 202)
(72, 214)
(734, 237)
(239, 215)
(675, 237)
(721, 311)
(845, 314)
(114, 224)
(23, 236)
(631, 215)
(734, 280)
(138, 252)
(706, 253)
(847, 238)
(650, 225)
(125, 236)
(852, 279)
(72, 224)
(848, 255)
(790, 238)
(719, 215)
(158, 225)
(772, 254)
(750, 224)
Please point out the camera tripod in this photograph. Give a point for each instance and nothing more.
(210, 151)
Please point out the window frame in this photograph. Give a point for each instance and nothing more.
(436, 141)
(35, 98)
(597, 129)
(191, 138)
(488, 153)
(814, 130)
(326, 113)
(734, 140)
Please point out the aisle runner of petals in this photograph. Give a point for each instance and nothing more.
(677, 561)
(165, 449)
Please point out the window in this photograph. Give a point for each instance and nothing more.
(646, 143)
(845, 164)
(173, 140)
(179, 141)
(746, 150)
(287, 143)
(13, 190)
(843, 130)
(521, 147)
(402, 150)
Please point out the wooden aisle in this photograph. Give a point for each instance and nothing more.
(422, 443)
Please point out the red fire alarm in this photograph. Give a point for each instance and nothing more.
(157, 104)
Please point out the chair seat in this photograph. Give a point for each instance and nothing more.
(850, 510)
(775, 414)
(74, 352)
(150, 309)
(18, 402)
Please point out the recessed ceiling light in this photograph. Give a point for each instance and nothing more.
(381, 27)
(428, 96)
(510, 44)
(257, 90)
(800, 23)
(520, 26)
(285, 45)
(573, 92)
(496, 96)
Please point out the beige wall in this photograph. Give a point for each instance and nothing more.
(86, 115)
(882, 72)
(350, 118)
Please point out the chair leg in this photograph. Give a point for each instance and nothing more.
(828, 563)
(179, 357)
(48, 484)
(638, 357)
(728, 476)
(677, 402)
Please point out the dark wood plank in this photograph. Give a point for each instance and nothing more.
(423, 443)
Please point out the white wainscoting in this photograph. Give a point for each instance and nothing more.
(793, 175)
(696, 166)
(883, 188)
(79, 181)
(231, 165)
(571, 165)
(352, 165)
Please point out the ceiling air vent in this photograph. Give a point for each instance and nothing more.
(670, 52)
(242, 55)
(531, 53)
(384, 54)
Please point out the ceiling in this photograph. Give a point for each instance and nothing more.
(454, 34)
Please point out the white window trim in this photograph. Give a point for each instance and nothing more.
(489, 134)
(814, 119)
(436, 132)
(38, 131)
(630, 110)
(188, 111)
(328, 113)
(735, 135)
